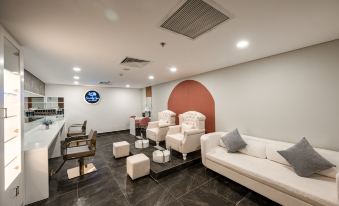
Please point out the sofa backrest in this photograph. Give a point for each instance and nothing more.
(266, 148)
(196, 119)
(166, 116)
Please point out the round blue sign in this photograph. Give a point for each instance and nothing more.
(92, 97)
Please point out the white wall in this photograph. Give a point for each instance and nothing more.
(284, 97)
(110, 114)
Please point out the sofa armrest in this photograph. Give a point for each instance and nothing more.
(174, 129)
(208, 142)
(153, 124)
(337, 177)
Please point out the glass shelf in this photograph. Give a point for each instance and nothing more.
(12, 118)
(11, 150)
(12, 170)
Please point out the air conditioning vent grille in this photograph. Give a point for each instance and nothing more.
(134, 62)
(194, 18)
(105, 83)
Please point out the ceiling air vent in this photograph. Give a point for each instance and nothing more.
(133, 62)
(105, 83)
(194, 18)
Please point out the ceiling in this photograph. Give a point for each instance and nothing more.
(98, 35)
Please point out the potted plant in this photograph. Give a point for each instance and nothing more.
(47, 122)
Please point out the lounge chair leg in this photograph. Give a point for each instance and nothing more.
(184, 155)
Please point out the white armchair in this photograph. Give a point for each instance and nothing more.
(185, 137)
(157, 130)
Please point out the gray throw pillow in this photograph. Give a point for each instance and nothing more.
(233, 141)
(304, 159)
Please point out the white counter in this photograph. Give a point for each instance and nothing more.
(40, 144)
(40, 137)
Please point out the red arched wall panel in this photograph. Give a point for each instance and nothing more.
(191, 95)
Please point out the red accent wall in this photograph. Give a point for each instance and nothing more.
(191, 95)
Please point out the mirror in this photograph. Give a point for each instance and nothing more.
(40, 107)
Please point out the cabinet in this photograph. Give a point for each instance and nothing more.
(11, 124)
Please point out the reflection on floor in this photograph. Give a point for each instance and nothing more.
(110, 185)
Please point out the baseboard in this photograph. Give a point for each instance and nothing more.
(112, 132)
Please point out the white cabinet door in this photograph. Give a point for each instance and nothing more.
(11, 121)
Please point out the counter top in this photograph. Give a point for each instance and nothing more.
(39, 137)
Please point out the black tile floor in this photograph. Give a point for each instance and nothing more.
(110, 185)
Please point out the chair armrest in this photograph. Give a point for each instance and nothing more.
(76, 138)
(154, 124)
(76, 125)
(208, 142)
(194, 131)
(174, 129)
(73, 126)
(165, 125)
(77, 143)
(191, 140)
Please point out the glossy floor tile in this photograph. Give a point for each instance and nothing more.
(110, 185)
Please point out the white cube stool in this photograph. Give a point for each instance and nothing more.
(141, 143)
(138, 166)
(120, 149)
(161, 156)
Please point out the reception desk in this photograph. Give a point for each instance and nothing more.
(40, 144)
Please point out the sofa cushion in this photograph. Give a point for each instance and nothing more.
(162, 121)
(333, 157)
(233, 141)
(318, 190)
(304, 159)
(186, 127)
(255, 148)
(272, 149)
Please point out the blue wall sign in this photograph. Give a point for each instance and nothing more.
(92, 97)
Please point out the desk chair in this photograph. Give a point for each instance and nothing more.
(85, 146)
(77, 129)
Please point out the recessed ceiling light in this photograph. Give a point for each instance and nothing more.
(173, 69)
(76, 77)
(151, 77)
(128, 86)
(242, 44)
(76, 82)
(76, 69)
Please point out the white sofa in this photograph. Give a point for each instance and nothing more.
(260, 168)
(185, 137)
(157, 130)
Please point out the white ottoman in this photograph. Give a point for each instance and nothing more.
(161, 156)
(120, 149)
(138, 166)
(140, 144)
